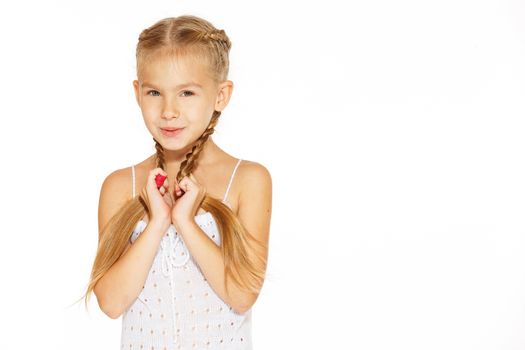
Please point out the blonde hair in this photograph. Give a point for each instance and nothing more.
(175, 36)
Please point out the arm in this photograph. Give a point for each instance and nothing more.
(123, 282)
(255, 201)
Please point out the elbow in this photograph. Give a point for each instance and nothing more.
(109, 309)
(245, 305)
(238, 309)
(113, 314)
(241, 310)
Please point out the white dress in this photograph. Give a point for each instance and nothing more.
(177, 308)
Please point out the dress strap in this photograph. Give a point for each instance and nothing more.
(133, 176)
(231, 179)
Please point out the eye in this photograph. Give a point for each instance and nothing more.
(151, 91)
(190, 92)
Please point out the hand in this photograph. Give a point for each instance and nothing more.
(158, 200)
(188, 196)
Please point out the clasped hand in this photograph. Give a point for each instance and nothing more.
(180, 205)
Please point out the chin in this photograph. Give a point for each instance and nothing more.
(174, 144)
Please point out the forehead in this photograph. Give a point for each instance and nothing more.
(168, 72)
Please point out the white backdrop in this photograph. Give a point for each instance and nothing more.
(393, 131)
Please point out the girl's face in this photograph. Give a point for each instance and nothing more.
(178, 93)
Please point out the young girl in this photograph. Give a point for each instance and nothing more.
(183, 259)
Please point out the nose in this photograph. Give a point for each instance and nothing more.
(169, 109)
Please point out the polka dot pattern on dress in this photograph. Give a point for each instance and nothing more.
(177, 308)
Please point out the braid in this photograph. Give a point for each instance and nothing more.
(160, 163)
(177, 36)
(218, 35)
(188, 164)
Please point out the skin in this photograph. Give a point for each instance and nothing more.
(250, 195)
(163, 104)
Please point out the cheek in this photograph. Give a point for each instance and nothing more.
(152, 127)
(150, 119)
(150, 109)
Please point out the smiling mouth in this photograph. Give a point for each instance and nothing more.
(171, 131)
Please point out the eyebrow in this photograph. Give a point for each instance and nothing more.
(176, 87)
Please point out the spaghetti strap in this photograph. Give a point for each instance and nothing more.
(133, 176)
(225, 194)
(231, 179)
(174, 266)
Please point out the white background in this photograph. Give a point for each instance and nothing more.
(393, 131)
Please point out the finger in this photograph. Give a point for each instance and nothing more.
(184, 184)
(162, 190)
(167, 199)
(194, 179)
(155, 171)
(178, 190)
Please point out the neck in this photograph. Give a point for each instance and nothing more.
(174, 158)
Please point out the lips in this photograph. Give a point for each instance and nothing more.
(170, 129)
(171, 132)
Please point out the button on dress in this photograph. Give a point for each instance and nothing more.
(177, 308)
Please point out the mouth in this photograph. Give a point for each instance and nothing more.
(171, 131)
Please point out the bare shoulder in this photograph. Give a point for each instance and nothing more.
(116, 190)
(252, 172)
(255, 197)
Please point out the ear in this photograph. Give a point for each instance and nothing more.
(136, 88)
(224, 94)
